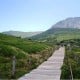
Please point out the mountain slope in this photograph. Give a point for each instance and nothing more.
(21, 34)
(65, 29)
(59, 34)
(68, 23)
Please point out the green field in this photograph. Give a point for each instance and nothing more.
(58, 34)
(61, 37)
(29, 54)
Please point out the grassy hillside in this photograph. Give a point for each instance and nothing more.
(21, 34)
(59, 34)
(29, 55)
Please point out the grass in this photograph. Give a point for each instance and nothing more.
(72, 57)
(67, 36)
(59, 34)
(25, 52)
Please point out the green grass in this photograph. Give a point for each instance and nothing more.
(25, 52)
(25, 45)
(72, 57)
(61, 37)
(56, 32)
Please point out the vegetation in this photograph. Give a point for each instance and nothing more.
(72, 60)
(29, 55)
(59, 34)
(21, 34)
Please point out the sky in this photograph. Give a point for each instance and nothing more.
(35, 15)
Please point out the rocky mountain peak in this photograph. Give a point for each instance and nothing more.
(73, 22)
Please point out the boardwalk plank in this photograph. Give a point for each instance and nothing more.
(48, 70)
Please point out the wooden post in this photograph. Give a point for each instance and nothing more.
(13, 66)
(71, 72)
(70, 63)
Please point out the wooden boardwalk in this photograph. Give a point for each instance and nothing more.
(48, 70)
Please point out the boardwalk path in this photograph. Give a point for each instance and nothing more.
(49, 70)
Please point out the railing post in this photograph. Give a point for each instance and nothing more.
(71, 72)
(13, 66)
(69, 47)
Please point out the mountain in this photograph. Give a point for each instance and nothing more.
(21, 34)
(68, 23)
(62, 30)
